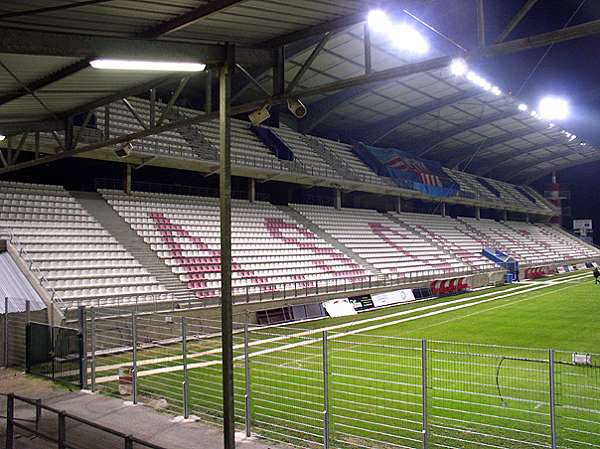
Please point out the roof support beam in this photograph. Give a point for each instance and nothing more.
(31, 12)
(387, 126)
(431, 144)
(551, 158)
(46, 81)
(308, 63)
(17, 41)
(516, 20)
(505, 160)
(529, 179)
(511, 159)
(481, 147)
(187, 19)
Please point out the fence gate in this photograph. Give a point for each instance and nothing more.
(55, 353)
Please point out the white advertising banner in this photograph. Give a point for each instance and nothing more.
(339, 307)
(395, 297)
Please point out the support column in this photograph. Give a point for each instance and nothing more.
(398, 204)
(252, 190)
(278, 83)
(208, 94)
(338, 199)
(527, 219)
(478, 213)
(127, 179)
(504, 215)
(225, 72)
(443, 209)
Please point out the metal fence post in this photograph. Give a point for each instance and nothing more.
(5, 325)
(424, 392)
(27, 312)
(134, 357)
(83, 361)
(186, 391)
(93, 348)
(552, 398)
(325, 392)
(10, 415)
(247, 380)
(62, 431)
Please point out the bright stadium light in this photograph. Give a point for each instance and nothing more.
(2, 137)
(523, 107)
(572, 138)
(496, 91)
(149, 66)
(554, 108)
(379, 21)
(458, 67)
(407, 38)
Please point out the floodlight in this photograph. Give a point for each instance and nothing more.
(458, 67)
(522, 107)
(554, 108)
(407, 38)
(496, 91)
(379, 21)
(147, 66)
(572, 138)
(260, 114)
(297, 108)
(534, 113)
(2, 137)
(472, 76)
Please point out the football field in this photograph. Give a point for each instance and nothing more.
(473, 370)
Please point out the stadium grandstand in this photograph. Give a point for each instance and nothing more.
(311, 224)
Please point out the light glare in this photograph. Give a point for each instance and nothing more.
(496, 91)
(379, 21)
(150, 66)
(2, 137)
(407, 38)
(523, 107)
(554, 108)
(458, 67)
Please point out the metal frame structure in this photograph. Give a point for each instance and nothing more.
(29, 42)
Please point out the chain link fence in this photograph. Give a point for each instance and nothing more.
(310, 388)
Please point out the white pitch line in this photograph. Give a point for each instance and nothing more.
(344, 334)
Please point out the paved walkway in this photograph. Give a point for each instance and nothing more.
(140, 421)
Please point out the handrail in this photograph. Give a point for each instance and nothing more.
(61, 440)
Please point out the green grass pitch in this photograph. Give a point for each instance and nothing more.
(490, 392)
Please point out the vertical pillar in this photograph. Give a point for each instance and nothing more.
(278, 83)
(152, 108)
(552, 399)
(10, 418)
(424, 387)
(527, 219)
(398, 204)
(208, 95)
(443, 209)
(134, 357)
(225, 205)
(252, 190)
(186, 387)
(127, 179)
(504, 215)
(480, 23)
(107, 122)
(338, 199)
(325, 392)
(5, 332)
(93, 347)
(478, 213)
(248, 391)
(83, 362)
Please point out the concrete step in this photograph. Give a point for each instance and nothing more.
(298, 217)
(132, 242)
